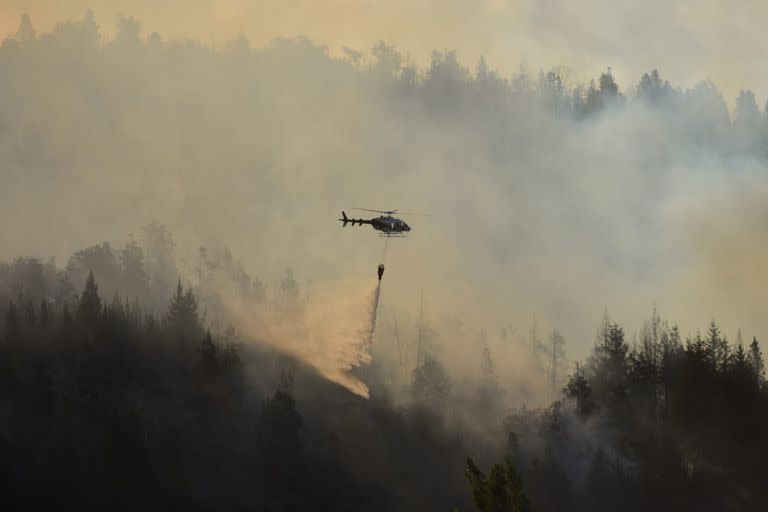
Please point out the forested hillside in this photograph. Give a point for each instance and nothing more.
(108, 401)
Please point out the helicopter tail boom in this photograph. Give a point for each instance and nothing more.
(346, 220)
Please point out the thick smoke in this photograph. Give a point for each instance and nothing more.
(547, 202)
(586, 36)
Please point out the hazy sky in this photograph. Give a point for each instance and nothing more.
(687, 41)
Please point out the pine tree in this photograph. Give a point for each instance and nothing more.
(746, 112)
(116, 309)
(487, 366)
(489, 391)
(12, 318)
(135, 280)
(740, 355)
(183, 317)
(717, 347)
(592, 102)
(671, 356)
(608, 85)
(160, 262)
(430, 381)
(652, 89)
(578, 389)
(481, 74)
(645, 362)
(66, 316)
(555, 352)
(536, 345)
(183, 307)
(282, 452)
(499, 491)
(290, 291)
(608, 365)
(756, 362)
(209, 355)
(26, 31)
(44, 313)
(598, 97)
(89, 308)
(30, 318)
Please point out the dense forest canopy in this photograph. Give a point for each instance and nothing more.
(180, 326)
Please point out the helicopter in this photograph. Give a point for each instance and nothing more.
(388, 225)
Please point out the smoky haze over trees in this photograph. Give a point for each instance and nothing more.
(257, 148)
(127, 383)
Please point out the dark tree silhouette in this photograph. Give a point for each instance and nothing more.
(12, 318)
(579, 390)
(26, 31)
(183, 317)
(45, 315)
(209, 355)
(756, 363)
(653, 90)
(89, 308)
(30, 317)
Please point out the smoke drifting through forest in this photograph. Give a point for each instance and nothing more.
(586, 36)
(259, 148)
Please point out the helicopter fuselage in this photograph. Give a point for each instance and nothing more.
(390, 225)
(387, 224)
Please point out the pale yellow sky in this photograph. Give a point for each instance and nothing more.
(686, 41)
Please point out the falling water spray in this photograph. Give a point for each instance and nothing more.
(333, 331)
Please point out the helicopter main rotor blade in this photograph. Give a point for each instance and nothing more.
(393, 212)
(377, 211)
(415, 213)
